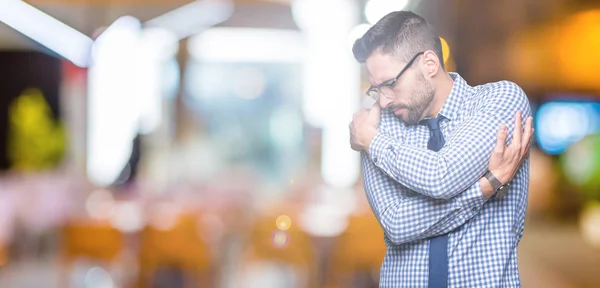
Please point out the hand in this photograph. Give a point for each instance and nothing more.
(363, 127)
(506, 160)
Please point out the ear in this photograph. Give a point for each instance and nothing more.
(431, 64)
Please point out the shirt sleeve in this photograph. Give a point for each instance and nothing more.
(464, 158)
(406, 216)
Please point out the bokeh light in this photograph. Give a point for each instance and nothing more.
(100, 204)
(377, 9)
(164, 216)
(127, 217)
(283, 222)
(445, 49)
(578, 37)
(280, 239)
(590, 223)
(559, 124)
(98, 277)
(581, 163)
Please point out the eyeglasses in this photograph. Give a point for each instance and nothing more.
(375, 91)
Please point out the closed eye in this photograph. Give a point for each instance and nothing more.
(388, 83)
(391, 84)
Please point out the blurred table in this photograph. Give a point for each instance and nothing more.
(553, 255)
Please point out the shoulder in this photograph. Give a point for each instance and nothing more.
(503, 91)
(502, 95)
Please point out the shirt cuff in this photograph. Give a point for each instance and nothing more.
(378, 147)
(473, 199)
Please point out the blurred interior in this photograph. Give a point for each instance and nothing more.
(178, 143)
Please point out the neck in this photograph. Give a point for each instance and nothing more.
(443, 88)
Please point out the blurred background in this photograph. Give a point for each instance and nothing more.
(178, 143)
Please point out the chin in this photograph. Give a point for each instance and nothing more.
(408, 120)
(404, 119)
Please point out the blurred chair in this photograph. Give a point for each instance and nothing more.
(278, 258)
(92, 240)
(179, 249)
(357, 254)
(3, 255)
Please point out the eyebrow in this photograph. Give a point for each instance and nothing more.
(383, 83)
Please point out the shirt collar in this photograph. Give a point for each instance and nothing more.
(457, 94)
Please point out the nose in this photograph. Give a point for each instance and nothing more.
(384, 101)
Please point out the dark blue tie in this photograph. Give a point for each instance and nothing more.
(438, 246)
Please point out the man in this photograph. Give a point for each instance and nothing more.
(438, 194)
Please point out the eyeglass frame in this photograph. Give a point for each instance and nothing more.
(393, 81)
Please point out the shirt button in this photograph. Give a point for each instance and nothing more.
(375, 159)
(474, 209)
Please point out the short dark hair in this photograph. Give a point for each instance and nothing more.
(402, 34)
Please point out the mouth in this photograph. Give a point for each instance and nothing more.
(398, 111)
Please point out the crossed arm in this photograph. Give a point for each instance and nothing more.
(464, 158)
(411, 216)
(446, 185)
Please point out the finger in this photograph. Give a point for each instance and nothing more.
(526, 138)
(527, 147)
(376, 107)
(375, 114)
(501, 139)
(524, 156)
(357, 114)
(530, 140)
(351, 140)
(518, 132)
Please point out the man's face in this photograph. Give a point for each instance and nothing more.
(410, 95)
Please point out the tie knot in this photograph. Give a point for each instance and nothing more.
(432, 123)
